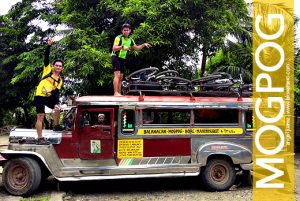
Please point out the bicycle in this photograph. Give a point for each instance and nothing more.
(141, 80)
(215, 82)
(223, 82)
(149, 81)
(170, 83)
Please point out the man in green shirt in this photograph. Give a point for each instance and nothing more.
(122, 45)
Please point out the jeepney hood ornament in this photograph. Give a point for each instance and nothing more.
(29, 136)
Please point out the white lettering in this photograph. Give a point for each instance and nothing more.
(262, 162)
(270, 101)
(269, 88)
(270, 17)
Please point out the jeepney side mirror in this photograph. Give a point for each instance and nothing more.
(81, 121)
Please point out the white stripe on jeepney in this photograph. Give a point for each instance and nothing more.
(126, 162)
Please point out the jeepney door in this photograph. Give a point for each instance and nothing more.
(96, 133)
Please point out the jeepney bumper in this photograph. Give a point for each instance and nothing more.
(247, 166)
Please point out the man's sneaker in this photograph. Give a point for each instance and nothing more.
(42, 141)
(58, 128)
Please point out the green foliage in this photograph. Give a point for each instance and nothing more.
(219, 59)
(178, 31)
(36, 198)
(235, 57)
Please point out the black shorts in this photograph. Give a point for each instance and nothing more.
(41, 101)
(118, 64)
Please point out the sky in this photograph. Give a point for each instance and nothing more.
(6, 5)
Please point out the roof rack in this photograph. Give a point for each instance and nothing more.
(189, 93)
(167, 83)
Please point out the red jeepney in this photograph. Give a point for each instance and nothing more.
(140, 136)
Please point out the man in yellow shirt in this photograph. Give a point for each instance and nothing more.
(47, 93)
(122, 45)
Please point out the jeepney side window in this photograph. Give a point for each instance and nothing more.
(166, 116)
(69, 119)
(86, 119)
(249, 120)
(148, 117)
(100, 118)
(216, 116)
(127, 122)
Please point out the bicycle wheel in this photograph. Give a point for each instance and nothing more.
(206, 79)
(175, 83)
(247, 87)
(174, 80)
(172, 73)
(143, 74)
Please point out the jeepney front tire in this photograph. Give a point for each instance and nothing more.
(218, 175)
(21, 176)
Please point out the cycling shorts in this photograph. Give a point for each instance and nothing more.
(118, 64)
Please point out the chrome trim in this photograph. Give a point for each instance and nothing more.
(46, 153)
(9, 152)
(247, 166)
(176, 105)
(126, 176)
(243, 155)
(29, 136)
(222, 142)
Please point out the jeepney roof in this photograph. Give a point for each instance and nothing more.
(161, 100)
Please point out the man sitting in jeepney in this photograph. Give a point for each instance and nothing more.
(100, 121)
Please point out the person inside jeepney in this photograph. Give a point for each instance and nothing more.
(69, 122)
(100, 120)
(47, 93)
(122, 45)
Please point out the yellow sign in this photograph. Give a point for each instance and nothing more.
(273, 99)
(130, 148)
(193, 131)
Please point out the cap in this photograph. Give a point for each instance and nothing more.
(101, 115)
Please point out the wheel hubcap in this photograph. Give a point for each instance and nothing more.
(18, 176)
(219, 173)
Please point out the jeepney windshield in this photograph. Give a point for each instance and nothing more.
(69, 118)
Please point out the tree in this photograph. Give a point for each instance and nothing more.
(235, 57)
(184, 28)
(178, 30)
(17, 62)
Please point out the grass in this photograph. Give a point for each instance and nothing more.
(40, 198)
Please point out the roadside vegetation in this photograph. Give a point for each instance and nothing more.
(181, 32)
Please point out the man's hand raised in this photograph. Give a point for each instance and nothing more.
(147, 45)
(50, 41)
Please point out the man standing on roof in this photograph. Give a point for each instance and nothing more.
(122, 45)
(47, 93)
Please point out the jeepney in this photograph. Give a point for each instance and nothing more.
(141, 137)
